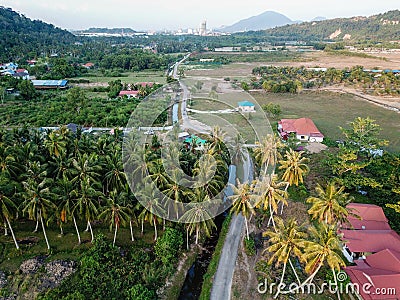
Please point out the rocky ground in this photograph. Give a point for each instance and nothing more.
(35, 276)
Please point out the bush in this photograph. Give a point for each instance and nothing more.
(250, 246)
(168, 245)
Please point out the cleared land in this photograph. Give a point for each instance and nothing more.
(330, 110)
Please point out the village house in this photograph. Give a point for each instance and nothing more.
(129, 94)
(246, 106)
(303, 128)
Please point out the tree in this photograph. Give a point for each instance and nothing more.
(27, 90)
(167, 247)
(330, 204)
(7, 212)
(325, 247)
(294, 166)
(55, 144)
(363, 136)
(269, 194)
(285, 241)
(37, 202)
(243, 201)
(86, 203)
(114, 213)
(114, 88)
(266, 152)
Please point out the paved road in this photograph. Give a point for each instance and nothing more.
(222, 284)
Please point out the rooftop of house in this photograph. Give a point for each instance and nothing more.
(371, 216)
(382, 269)
(245, 103)
(303, 126)
(371, 241)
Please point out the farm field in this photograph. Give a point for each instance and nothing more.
(330, 110)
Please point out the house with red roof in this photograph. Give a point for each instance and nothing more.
(129, 94)
(145, 84)
(378, 276)
(304, 129)
(89, 65)
(370, 217)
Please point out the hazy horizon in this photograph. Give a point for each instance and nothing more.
(173, 14)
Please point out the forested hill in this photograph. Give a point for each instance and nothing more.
(382, 27)
(21, 37)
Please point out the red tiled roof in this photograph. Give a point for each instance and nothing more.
(303, 126)
(382, 270)
(371, 240)
(372, 217)
(89, 64)
(132, 93)
(144, 84)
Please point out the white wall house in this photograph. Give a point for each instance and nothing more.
(246, 106)
(304, 129)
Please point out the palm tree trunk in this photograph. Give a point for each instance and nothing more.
(61, 229)
(12, 233)
(336, 283)
(115, 234)
(142, 226)
(91, 230)
(299, 287)
(187, 238)
(155, 228)
(39, 215)
(130, 227)
(197, 234)
(44, 232)
(87, 227)
(77, 230)
(280, 283)
(294, 271)
(247, 228)
(5, 228)
(163, 225)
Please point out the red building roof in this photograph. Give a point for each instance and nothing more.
(128, 93)
(371, 240)
(380, 271)
(372, 217)
(144, 84)
(302, 126)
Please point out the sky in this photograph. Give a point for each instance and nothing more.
(175, 14)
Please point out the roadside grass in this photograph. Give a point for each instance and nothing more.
(127, 77)
(330, 110)
(212, 267)
(62, 246)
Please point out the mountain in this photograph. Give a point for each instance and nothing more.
(22, 37)
(317, 19)
(381, 27)
(268, 19)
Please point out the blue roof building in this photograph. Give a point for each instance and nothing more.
(50, 84)
(246, 106)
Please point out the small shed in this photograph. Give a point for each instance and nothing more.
(246, 106)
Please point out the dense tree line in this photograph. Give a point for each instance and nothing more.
(294, 79)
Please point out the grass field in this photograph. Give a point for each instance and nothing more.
(128, 77)
(331, 110)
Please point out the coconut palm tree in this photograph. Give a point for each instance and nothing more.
(86, 203)
(266, 152)
(294, 166)
(325, 247)
(37, 202)
(152, 208)
(238, 150)
(285, 242)
(8, 164)
(65, 193)
(114, 213)
(270, 193)
(86, 169)
(115, 177)
(55, 144)
(330, 204)
(175, 189)
(207, 176)
(198, 216)
(7, 212)
(243, 201)
(217, 139)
